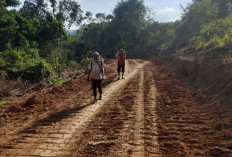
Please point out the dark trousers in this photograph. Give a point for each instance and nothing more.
(121, 67)
(96, 84)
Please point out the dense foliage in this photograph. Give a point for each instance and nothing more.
(30, 39)
(203, 28)
(33, 40)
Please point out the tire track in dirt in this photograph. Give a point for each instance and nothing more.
(132, 120)
(150, 108)
(139, 119)
(127, 127)
(113, 131)
(24, 111)
(20, 115)
(55, 135)
(190, 124)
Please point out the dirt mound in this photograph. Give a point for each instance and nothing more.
(210, 76)
(57, 93)
(50, 106)
(24, 111)
(189, 122)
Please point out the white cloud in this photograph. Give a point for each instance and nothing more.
(165, 15)
(165, 10)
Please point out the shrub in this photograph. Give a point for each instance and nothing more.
(216, 34)
(85, 61)
(25, 64)
(214, 42)
(228, 39)
(58, 59)
(227, 55)
(197, 43)
(86, 58)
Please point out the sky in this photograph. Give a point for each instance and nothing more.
(165, 10)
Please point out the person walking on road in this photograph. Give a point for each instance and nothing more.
(96, 70)
(121, 56)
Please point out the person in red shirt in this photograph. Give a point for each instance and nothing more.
(121, 56)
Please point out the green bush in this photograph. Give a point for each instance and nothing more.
(216, 34)
(86, 58)
(197, 43)
(228, 39)
(57, 58)
(214, 42)
(54, 81)
(85, 61)
(227, 55)
(25, 64)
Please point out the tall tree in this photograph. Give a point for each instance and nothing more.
(34, 8)
(12, 3)
(70, 12)
(194, 16)
(224, 7)
(128, 21)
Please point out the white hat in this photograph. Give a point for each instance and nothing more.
(96, 53)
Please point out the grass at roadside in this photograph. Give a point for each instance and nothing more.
(2, 103)
(58, 81)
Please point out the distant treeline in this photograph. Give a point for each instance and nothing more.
(34, 40)
(204, 29)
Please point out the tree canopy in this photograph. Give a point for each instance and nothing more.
(34, 39)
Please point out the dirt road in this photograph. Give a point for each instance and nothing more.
(147, 114)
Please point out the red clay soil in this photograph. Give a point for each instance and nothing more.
(152, 112)
(189, 123)
(23, 112)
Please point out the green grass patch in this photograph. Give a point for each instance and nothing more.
(54, 81)
(59, 81)
(2, 103)
(78, 75)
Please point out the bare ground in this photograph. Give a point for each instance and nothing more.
(150, 113)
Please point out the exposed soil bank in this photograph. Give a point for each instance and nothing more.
(211, 77)
(191, 123)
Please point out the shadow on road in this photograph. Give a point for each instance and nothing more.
(54, 118)
(108, 82)
(58, 116)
